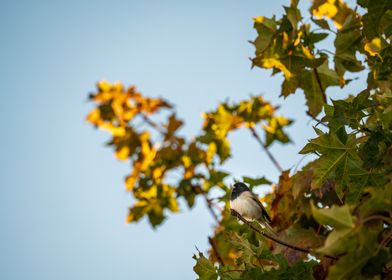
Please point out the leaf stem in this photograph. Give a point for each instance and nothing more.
(316, 74)
(281, 242)
(265, 148)
(316, 119)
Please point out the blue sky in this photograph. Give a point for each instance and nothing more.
(62, 198)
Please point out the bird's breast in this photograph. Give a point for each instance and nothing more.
(246, 207)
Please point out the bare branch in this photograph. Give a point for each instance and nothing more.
(265, 148)
(281, 242)
(209, 205)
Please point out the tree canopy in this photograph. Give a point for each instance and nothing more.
(333, 217)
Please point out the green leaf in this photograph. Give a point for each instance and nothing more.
(380, 201)
(347, 43)
(337, 217)
(326, 166)
(256, 181)
(248, 251)
(293, 15)
(266, 29)
(375, 265)
(324, 144)
(315, 83)
(316, 37)
(204, 268)
(321, 23)
(339, 241)
(371, 20)
(350, 265)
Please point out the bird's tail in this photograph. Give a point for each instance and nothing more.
(268, 228)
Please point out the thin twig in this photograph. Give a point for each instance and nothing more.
(233, 270)
(272, 158)
(213, 246)
(316, 74)
(377, 217)
(316, 119)
(386, 239)
(281, 242)
(209, 205)
(152, 123)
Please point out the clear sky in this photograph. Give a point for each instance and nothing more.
(62, 199)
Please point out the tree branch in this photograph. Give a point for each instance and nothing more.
(265, 148)
(281, 242)
(209, 205)
(213, 246)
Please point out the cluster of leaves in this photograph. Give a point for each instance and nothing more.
(338, 205)
(164, 165)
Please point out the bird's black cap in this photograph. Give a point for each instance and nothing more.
(238, 189)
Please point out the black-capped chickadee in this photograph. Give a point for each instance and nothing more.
(246, 203)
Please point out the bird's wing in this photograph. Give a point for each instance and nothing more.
(263, 211)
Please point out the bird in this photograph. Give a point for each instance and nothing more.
(246, 203)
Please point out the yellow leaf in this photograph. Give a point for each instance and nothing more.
(148, 194)
(103, 96)
(122, 153)
(273, 62)
(130, 183)
(118, 131)
(374, 47)
(327, 9)
(285, 40)
(298, 39)
(307, 52)
(104, 86)
(173, 205)
(282, 120)
(211, 151)
(259, 19)
(189, 172)
(130, 180)
(186, 161)
(158, 172)
(94, 117)
(336, 10)
(118, 86)
(268, 128)
(142, 207)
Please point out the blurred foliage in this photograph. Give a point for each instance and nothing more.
(164, 165)
(339, 204)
